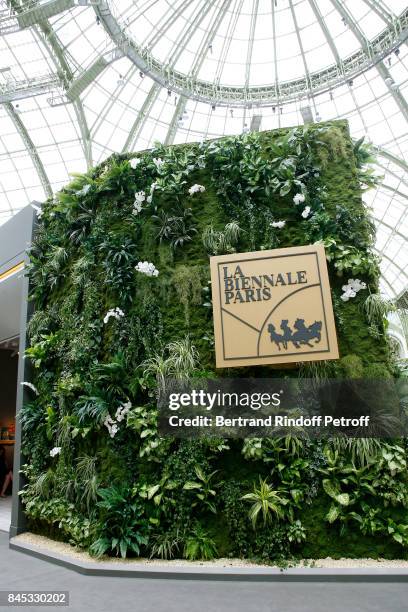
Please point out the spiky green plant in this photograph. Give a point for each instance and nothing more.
(376, 308)
(199, 545)
(87, 480)
(166, 545)
(183, 357)
(265, 502)
(219, 242)
(362, 451)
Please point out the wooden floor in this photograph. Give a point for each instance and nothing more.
(5, 513)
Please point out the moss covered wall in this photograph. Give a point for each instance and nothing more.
(98, 474)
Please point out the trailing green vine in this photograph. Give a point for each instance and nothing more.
(120, 284)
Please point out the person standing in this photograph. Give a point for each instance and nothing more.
(6, 475)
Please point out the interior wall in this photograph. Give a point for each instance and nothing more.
(8, 390)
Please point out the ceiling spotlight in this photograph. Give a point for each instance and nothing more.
(231, 112)
(389, 61)
(344, 20)
(169, 92)
(331, 95)
(17, 108)
(98, 20)
(318, 117)
(141, 74)
(389, 80)
(121, 81)
(210, 48)
(397, 51)
(350, 83)
(213, 107)
(274, 109)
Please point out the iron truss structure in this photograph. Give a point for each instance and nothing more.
(81, 79)
(189, 86)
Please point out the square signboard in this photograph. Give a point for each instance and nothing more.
(272, 307)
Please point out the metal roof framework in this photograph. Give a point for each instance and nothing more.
(118, 75)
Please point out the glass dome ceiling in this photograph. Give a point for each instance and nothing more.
(80, 79)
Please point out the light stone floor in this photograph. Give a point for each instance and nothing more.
(19, 571)
(5, 513)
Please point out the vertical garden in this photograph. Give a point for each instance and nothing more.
(120, 285)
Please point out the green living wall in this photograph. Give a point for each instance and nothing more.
(120, 285)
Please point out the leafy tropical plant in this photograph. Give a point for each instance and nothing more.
(166, 545)
(265, 502)
(203, 489)
(219, 242)
(176, 229)
(179, 360)
(123, 527)
(87, 480)
(377, 308)
(86, 246)
(365, 156)
(199, 544)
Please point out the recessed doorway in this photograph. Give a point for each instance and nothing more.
(8, 389)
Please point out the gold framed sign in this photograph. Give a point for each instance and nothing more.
(272, 307)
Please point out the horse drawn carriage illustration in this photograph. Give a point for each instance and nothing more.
(299, 336)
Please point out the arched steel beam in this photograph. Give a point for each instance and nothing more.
(27, 14)
(52, 44)
(275, 57)
(403, 272)
(393, 158)
(209, 38)
(394, 174)
(325, 31)
(35, 12)
(382, 69)
(175, 52)
(251, 37)
(300, 43)
(393, 230)
(27, 88)
(50, 40)
(180, 108)
(31, 149)
(395, 92)
(226, 43)
(165, 23)
(398, 193)
(394, 295)
(181, 105)
(198, 62)
(382, 11)
(141, 117)
(194, 88)
(351, 23)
